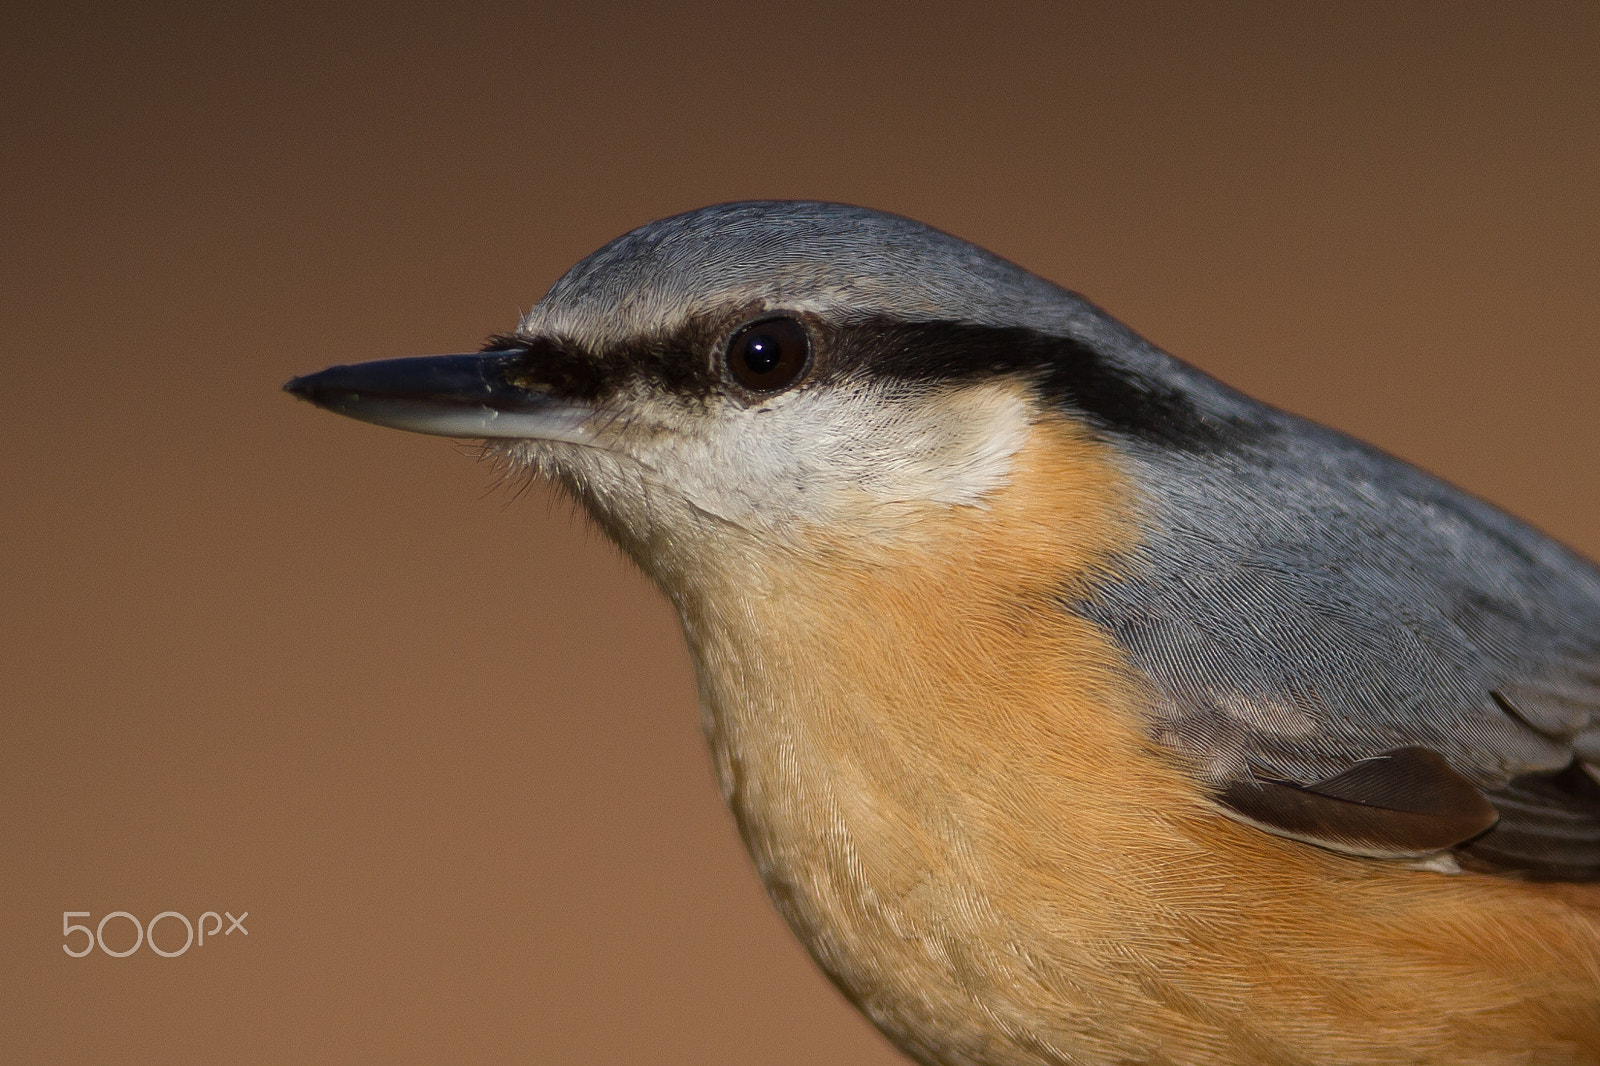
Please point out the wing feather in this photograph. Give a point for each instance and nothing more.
(1304, 603)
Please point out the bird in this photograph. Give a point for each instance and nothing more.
(1074, 707)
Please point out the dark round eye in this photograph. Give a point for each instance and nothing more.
(769, 355)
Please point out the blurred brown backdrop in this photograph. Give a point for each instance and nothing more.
(441, 744)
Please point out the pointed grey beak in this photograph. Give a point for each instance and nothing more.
(446, 395)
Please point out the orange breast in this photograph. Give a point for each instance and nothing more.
(946, 782)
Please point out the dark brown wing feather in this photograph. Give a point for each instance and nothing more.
(1406, 803)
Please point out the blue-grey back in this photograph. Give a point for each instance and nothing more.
(1304, 600)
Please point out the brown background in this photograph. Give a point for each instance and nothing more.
(441, 744)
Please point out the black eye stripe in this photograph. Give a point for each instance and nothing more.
(769, 355)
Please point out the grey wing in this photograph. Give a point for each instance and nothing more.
(1359, 655)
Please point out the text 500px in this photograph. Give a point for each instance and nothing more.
(146, 934)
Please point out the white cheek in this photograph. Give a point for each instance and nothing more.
(827, 456)
(868, 460)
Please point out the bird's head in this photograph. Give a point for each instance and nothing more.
(753, 376)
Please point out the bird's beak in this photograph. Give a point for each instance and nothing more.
(446, 395)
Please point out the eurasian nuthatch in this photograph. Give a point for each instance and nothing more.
(1075, 707)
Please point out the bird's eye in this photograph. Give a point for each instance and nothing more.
(769, 355)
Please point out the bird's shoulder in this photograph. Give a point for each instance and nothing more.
(1356, 653)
